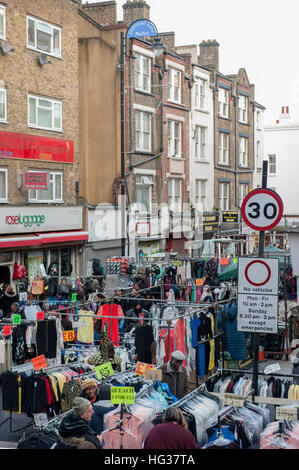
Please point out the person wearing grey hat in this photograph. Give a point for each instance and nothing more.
(175, 374)
(76, 425)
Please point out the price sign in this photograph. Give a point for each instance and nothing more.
(39, 362)
(68, 335)
(40, 315)
(262, 209)
(16, 319)
(272, 368)
(291, 414)
(155, 374)
(40, 419)
(199, 282)
(120, 395)
(104, 370)
(142, 367)
(7, 330)
(232, 399)
(74, 297)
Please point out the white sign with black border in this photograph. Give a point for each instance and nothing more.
(258, 280)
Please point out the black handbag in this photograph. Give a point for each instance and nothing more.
(63, 287)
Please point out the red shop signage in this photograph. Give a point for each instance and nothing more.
(32, 147)
(35, 180)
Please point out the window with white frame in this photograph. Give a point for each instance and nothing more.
(143, 134)
(54, 193)
(223, 148)
(174, 85)
(142, 73)
(3, 185)
(200, 194)
(223, 97)
(272, 164)
(3, 104)
(224, 196)
(174, 139)
(200, 93)
(200, 142)
(2, 22)
(243, 109)
(43, 37)
(144, 185)
(44, 113)
(174, 194)
(243, 191)
(258, 119)
(243, 152)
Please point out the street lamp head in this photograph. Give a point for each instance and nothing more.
(158, 47)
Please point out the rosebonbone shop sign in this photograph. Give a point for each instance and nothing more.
(34, 147)
(39, 219)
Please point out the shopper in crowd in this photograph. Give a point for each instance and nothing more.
(90, 391)
(134, 297)
(172, 433)
(9, 297)
(75, 429)
(136, 312)
(295, 360)
(16, 310)
(175, 374)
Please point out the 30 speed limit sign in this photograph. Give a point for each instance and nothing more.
(262, 209)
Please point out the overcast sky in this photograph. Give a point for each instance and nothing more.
(262, 38)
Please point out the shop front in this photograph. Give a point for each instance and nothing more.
(38, 237)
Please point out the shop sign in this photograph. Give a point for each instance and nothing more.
(68, 335)
(104, 370)
(142, 367)
(290, 414)
(120, 395)
(34, 180)
(210, 222)
(39, 362)
(230, 216)
(34, 147)
(40, 219)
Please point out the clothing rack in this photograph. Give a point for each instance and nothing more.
(198, 344)
(244, 372)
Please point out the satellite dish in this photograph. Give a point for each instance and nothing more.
(5, 47)
(43, 59)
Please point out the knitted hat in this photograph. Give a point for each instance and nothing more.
(178, 355)
(88, 383)
(80, 405)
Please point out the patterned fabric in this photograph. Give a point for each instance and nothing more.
(70, 391)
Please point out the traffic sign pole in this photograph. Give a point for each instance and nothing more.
(260, 255)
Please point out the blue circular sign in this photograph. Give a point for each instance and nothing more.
(142, 29)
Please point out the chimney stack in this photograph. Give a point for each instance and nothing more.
(104, 13)
(209, 54)
(135, 10)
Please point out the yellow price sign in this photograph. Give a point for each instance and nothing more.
(68, 335)
(120, 395)
(142, 367)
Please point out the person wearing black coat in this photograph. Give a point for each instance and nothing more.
(76, 425)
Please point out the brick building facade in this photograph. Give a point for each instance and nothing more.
(40, 126)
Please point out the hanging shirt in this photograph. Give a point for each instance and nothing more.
(85, 333)
(113, 310)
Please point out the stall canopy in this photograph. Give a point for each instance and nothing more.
(270, 252)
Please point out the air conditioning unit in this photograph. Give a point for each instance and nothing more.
(43, 59)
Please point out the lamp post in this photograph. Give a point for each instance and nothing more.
(138, 29)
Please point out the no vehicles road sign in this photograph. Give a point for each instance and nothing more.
(258, 295)
(262, 209)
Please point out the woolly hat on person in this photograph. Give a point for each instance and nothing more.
(88, 383)
(80, 405)
(178, 355)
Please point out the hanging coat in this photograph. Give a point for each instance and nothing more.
(235, 339)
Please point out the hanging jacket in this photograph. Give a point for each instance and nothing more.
(235, 339)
